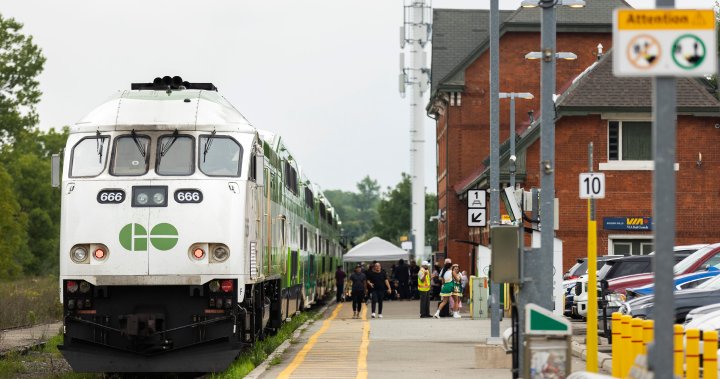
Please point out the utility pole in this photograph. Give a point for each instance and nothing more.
(415, 33)
(494, 156)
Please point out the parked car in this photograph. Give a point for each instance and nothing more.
(685, 301)
(700, 260)
(615, 268)
(577, 270)
(682, 282)
(569, 284)
(701, 311)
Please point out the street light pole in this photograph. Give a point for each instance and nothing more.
(512, 96)
(512, 143)
(544, 274)
(494, 157)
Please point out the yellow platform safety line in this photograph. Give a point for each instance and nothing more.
(300, 357)
(338, 341)
(364, 342)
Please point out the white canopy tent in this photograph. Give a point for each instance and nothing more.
(375, 249)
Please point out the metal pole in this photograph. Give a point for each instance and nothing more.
(542, 275)
(416, 38)
(512, 140)
(664, 135)
(592, 318)
(494, 155)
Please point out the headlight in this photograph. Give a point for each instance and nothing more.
(84, 287)
(149, 196)
(625, 309)
(214, 286)
(616, 297)
(78, 254)
(220, 253)
(158, 198)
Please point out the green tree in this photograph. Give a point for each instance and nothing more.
(21, 61)
(431, 227)
(357, 211)
(13, 238)
(394, 212)
(28, 161)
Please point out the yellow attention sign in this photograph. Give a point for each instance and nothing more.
(665, 19)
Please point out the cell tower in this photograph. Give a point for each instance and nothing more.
(414, 35)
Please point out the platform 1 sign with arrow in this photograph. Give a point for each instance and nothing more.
(476, 208)
(664, 42)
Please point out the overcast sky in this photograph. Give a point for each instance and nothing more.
(321, 73)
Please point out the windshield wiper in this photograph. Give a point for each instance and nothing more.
(167, 145)
(207, 144)
(140, 147)
(99, 143)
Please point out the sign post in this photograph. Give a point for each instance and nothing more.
(664, 44)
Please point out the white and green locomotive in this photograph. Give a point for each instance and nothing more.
(186, 233)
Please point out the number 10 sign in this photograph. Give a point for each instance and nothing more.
(592, 185)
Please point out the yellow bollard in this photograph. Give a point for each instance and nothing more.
(636, 337)
(678, 351)
(625, 345)
(648, 326)
(692, 355)
(615, 327)
(710, 346)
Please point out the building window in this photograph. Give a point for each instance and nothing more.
(629, 141)
(455, 99)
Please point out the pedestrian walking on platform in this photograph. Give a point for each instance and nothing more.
(423, 286)
(457, 290)
(379, 285)
(340, 284)
(358, 286)
(446, 290)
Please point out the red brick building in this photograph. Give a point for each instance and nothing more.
(460, 99)
(613, 113)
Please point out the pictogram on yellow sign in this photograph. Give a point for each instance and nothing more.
(665, 19)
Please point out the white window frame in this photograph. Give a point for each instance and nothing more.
(611, 246)
(619, 164)
(612, 237)
(643, 244)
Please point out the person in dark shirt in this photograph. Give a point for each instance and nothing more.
(402, 275)
(358, 286)
(414, 271)
(379, 285)
(340, 283)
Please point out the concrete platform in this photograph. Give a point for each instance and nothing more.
(400, 345)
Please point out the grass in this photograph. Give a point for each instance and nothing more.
(11, 366)
(29, 301)
(248, 360)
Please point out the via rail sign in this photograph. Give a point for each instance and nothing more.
(664, 42)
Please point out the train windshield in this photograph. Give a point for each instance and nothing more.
(130, 155)
(220, 155)
(89, 156)
(175, 155)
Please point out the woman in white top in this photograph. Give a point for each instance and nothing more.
(447, 288)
